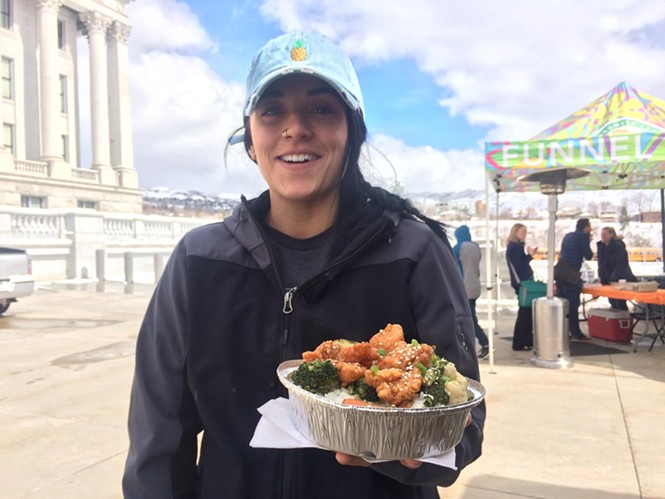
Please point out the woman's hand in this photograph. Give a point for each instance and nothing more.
(349, 460)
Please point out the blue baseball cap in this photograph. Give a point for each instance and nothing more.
(306, 53)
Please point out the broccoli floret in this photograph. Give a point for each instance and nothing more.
(435, 394)
(364, 391)
(318, 376)
(435, 370)
(442, 384)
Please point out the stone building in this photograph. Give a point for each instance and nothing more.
(40, 152)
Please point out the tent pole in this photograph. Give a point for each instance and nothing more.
(496, 261)
(662, 227)
(488, 275)
(496, 254)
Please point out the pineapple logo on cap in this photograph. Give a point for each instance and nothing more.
(298, 52)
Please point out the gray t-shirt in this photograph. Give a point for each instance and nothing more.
(297, 260)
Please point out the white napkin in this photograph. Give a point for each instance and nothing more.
(277, 430)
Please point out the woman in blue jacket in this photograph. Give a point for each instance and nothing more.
(320, 255)
(519, 256)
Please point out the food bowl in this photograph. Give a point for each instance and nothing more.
(379, 433)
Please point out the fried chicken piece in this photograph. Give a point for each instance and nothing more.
(383, 376)
(394, 386)
(388, 338)
(361, 353)
(326, 350)
(404, 356)
(349, 372)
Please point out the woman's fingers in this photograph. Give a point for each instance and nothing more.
(349, 460)
(412, 464)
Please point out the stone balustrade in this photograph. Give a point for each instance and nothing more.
(85, 174)
(39, 168)
(82, 243)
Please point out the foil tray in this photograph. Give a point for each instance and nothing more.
(378, 433)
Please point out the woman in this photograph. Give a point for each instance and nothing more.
(519, 257)
(468, 257)
(613, 263)
(320, 255)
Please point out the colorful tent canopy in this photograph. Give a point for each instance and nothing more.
(619, 139)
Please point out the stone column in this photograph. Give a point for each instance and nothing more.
(49, 81)
(96, 25)
(120, 119)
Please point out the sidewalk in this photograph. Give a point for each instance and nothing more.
(595, 430)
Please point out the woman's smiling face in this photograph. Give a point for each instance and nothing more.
(299, 134)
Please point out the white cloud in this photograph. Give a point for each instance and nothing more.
(515, 67)
(166, 25)
(182, 110)
(423, 169)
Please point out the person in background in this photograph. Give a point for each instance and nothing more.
(321, 254)
(613, 263)
(519, 257)
(575, 248)
(468, 256)
(604, 270)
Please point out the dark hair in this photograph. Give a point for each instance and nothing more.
(354, 188)
(582, 224)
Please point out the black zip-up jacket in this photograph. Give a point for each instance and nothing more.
(220, 322)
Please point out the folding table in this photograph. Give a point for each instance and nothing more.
(649, 297)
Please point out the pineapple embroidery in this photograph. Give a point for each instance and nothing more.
(298, 52)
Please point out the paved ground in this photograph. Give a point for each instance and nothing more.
(595, 430)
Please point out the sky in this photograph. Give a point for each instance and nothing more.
(439, 78)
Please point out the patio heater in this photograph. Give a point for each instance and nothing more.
(550, 314)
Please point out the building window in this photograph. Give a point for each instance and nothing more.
(8, 141)
(6, 14)
(65, 148)
(61, 34)
(84, 203)
(33, 202)
(7, 78)
(63, 94)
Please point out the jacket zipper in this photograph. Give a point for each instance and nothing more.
(286, 310)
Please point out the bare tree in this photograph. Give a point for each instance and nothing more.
(644, 201)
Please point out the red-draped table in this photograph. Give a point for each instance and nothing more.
(647, 297)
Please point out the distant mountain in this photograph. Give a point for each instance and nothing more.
(164, 200)
(444, 197)
(196, 203)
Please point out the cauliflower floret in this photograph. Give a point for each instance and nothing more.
(456, 392)
(456, 387)
(451, 371)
